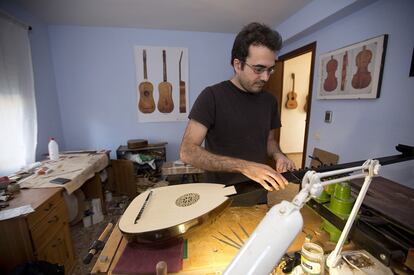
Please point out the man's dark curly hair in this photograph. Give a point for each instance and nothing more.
(254, 34)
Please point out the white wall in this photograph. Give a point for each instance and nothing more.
(292, 133)
(369, 128)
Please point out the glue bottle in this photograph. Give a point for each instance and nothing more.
(312, 259)
(53, 149)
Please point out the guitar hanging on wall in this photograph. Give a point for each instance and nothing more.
(291, 102)
(183, 108)
(146, 98)
(165, 101)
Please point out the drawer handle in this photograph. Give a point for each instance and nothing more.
(49, 206)
(55, 219)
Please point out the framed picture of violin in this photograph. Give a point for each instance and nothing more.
(161, 83)
(354, 71)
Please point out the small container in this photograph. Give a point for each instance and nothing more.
(87, 221)
(312, 259)
(53, 148)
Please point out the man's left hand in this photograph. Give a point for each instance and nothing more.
(283, 164)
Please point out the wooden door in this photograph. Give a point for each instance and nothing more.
(275, 86)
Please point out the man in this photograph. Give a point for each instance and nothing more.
(237, 119)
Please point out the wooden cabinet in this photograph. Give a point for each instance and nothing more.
(128, 173)
(41, 235)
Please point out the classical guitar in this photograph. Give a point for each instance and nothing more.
(165, 100)
(344, 65)
(291, 102)
(146, 98)
(331, 82)
(182, 88)
(362, 78)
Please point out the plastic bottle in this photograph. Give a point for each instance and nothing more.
(53, 149)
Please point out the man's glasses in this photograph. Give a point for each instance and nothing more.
(259, 69)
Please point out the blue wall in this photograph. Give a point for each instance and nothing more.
(96, 82)
(368, 128)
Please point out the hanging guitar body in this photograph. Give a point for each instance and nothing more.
(146, 99)
(146, 102)
(165, 100)
(171, 211)
(291, 102)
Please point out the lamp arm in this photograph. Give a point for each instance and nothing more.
(334, 257)
(277, 230)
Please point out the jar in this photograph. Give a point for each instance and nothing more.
(312, 259)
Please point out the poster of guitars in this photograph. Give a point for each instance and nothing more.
(161, 83)
(353, 72)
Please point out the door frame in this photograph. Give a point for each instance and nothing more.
(292, 54)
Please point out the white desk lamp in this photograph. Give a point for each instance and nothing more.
(273, 236)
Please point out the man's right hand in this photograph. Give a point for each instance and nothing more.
(265, 175)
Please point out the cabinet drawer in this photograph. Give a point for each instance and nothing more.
(44, 209)
(48, 226)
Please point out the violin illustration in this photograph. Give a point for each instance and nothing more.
(331, 82)
(291, 102)
(362, 78)
(146, 99)
(165, 101)
(344, 65)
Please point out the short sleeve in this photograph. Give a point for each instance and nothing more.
(203, 110)
(275, 119)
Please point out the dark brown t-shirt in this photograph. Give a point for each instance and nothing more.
(238, 124)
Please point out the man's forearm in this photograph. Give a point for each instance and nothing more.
(201, 158)
(273, 149)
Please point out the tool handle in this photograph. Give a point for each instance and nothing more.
(97, 244)
(161, 268)
(87, 259)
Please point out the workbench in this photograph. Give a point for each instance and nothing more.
(183, 170)
(207, 255)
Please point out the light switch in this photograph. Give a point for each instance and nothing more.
(328, 116)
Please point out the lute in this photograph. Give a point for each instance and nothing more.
(172, 211)
(167, 212)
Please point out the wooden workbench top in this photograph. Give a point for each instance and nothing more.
(206, 255)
